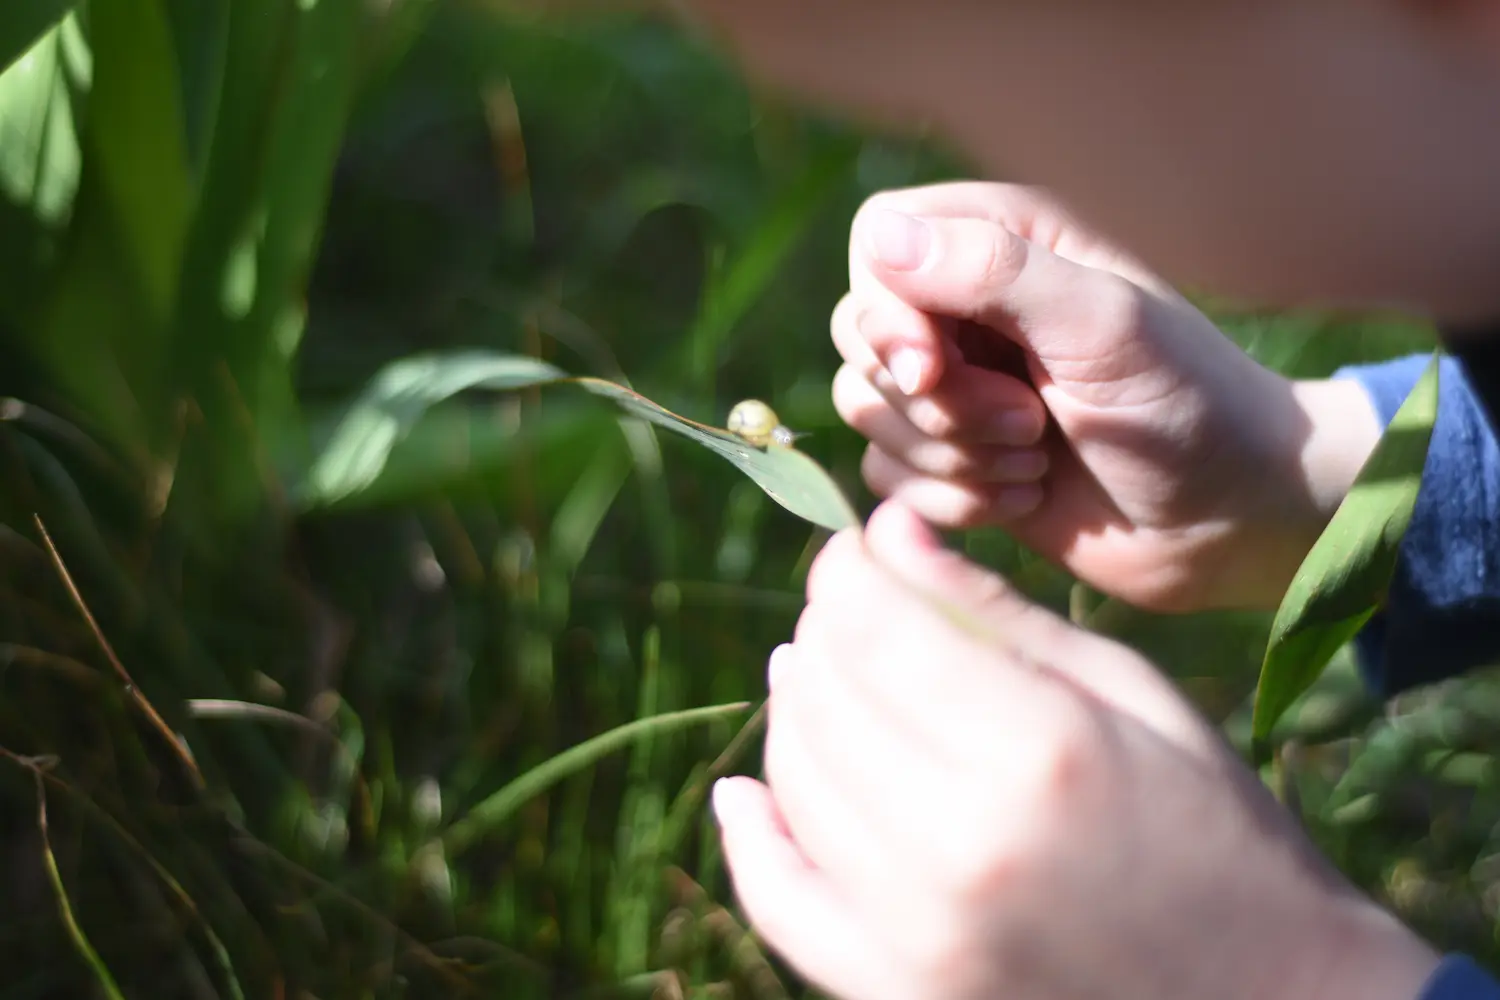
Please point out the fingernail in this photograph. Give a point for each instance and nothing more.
(898, 241)
(1018, 427)
(908, 367)
(1017, 501)
(721, 799)
(780, 657)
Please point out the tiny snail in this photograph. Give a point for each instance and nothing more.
(758, 424)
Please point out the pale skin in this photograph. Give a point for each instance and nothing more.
(1180, 474)
(1040, 814)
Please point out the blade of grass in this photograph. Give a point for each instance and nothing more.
(735, 289)
(108, 822)
(64, 908)
(684, 810)
(500, 806)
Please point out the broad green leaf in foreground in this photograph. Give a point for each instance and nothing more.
(138, 141)
(398, 397)
(502, 804)
(1343, 580)
(22, 22)
(39, 155)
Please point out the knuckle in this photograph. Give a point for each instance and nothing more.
(956, 507)
(879, 471)
(988, 590)
(1067, 758)
(945, 461)
(978, 863)
(936, 947)
(1000, 258)
(966, 510)
(858, 403)
(933, 419)
(1118, 304)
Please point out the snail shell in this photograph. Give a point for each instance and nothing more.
(758, 424)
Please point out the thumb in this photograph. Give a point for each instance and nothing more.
(976, 269)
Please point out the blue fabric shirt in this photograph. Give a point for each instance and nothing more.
(1459, 978)
(1442, 616)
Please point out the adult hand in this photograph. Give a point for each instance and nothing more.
(1177, 473)
(1033, 815)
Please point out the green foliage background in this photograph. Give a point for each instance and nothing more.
(218, 220)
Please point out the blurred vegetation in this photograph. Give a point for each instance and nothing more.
(236, 733)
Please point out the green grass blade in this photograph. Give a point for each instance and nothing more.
(399, 396)
(734, 290)
(317, 99)
(1344, 578)
(496, 809)
(64, 908)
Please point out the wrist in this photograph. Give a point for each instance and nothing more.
(1368, 954)
(1319, 433)
(1342, 430)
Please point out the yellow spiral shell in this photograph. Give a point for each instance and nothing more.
(758, 424)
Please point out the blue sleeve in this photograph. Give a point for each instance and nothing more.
(1460, 978)
(1442, 615)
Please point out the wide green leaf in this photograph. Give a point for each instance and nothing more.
(1343, 580)
(22, 22)
(398, 397)
(40, 161)
(138, 140)
(39, 156)
(302, 147)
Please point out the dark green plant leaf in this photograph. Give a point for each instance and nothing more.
(498, 807)
(22, 22)
(138, 140)
(399, 396)
(1344, 578)
(302, 148)
(739, 285)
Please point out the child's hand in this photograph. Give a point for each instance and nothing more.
(1036, 816)
(1176, 473)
